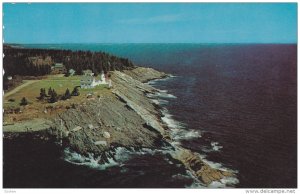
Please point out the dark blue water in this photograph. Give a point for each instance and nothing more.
(33, 163)
(242, 99)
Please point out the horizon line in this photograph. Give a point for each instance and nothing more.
(156, 43)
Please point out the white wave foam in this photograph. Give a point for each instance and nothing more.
(121, 155)
(230, 181)
(215, 146)
(155, 101)
(155, 98)
(162, 91)
(149, 95)
(165, 95)
(225, 182)
(153, 151)
(178, 131)
(216, 165)
(187, 134)
(162, 102)
(171, 123)
(90, 160)
(152, 82)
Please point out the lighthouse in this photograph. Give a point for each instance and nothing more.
(102, 78)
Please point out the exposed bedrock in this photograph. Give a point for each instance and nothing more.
(126, 118)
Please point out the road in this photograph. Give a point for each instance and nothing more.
(18, 88)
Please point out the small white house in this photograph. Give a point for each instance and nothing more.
(72, 72)
(88, 80)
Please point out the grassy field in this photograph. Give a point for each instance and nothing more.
(59, 84)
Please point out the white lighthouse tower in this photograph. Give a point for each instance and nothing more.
(102, 78)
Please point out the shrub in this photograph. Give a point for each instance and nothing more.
(73, 106)
(24, 102)
(11, 100)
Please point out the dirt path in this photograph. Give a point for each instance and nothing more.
(27, 83)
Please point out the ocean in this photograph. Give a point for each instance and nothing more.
(234, 104)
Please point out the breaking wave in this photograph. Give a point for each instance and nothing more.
(178, 129)
(90, 161)
(225, 182)
(161, 94)
(151, 82)
(180, 132)
(214, 147)
(115, 157)
(164, 94)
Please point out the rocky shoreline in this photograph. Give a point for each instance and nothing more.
(127, 118)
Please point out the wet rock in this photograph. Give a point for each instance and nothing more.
(194, 163)
(205, 179)
(226, 173)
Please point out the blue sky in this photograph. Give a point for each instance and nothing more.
(150, 23)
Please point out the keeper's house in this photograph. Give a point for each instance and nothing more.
(89, 81)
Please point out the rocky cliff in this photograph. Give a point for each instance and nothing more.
(125, 117)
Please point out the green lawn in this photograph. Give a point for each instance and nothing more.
(36, 107)
(59, 84)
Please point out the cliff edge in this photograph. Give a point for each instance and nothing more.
(124, 117)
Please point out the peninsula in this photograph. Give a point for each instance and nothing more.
(44, 97)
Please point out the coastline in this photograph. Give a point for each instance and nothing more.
(131, 119)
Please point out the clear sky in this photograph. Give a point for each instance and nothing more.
(150, 23)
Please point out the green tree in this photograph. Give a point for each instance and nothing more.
(53, 97)
(24, 101)
(67, 94)
(50, 91)
(75, 91)
(42, 94)
(67, 74)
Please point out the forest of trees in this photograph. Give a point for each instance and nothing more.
(17, 61)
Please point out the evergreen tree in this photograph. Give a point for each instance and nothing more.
(53, 97)
(24, 101)
(35, 61)
(50, 91)
(67, 94)
(75, 91)
(42, 94)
